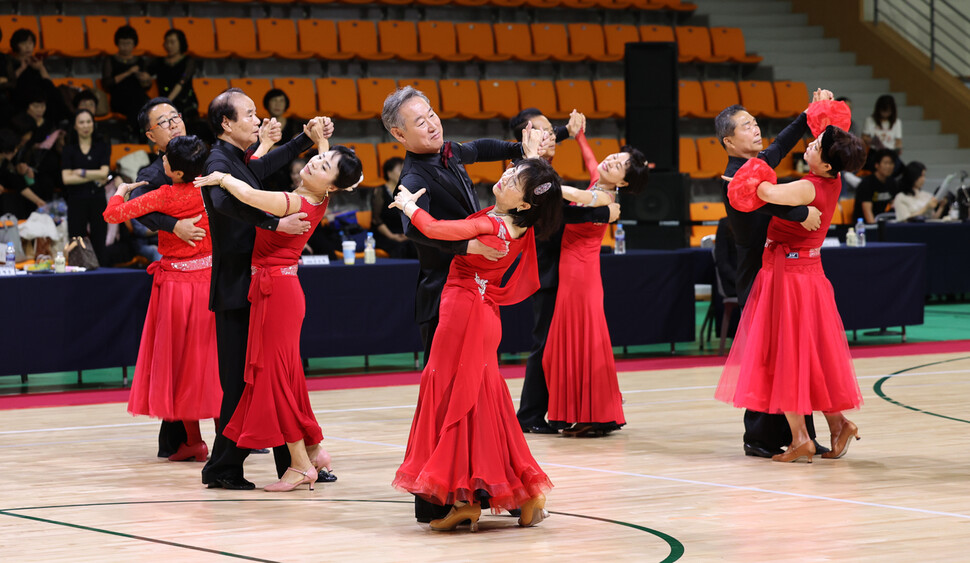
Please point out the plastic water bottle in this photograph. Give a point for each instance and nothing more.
(11, 256)
(860, 232)
(59, 263)
(620, 237)
(370, 254)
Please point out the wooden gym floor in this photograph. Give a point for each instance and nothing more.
(81, 483)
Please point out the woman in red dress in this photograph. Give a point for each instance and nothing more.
(791, 355)
(465, 443)
(275, 405)
(176, 375)
(584, 395)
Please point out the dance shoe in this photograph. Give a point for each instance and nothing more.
(281, 486)
(538, 428)
(755, 449)
(840, 443)
(260, 451)
(581, 431)
(820, 449)
(322, 464)
(470, 512)
(806, 449)
(198, 452)
(533, 511)
(231, 483)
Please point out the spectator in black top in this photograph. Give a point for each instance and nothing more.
(38, 152)
(125, 76)
(27, 76)
(740, 135)
(276, 103)
(12, 183)
(386, 224)
(173, 73)
(86, 99)
(876, 191)
(84, 169)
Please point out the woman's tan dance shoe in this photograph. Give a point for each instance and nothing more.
(533, 511)
(458, 514)
(281, 486)
(840, 444)
(805, 449)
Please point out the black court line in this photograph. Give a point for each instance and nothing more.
(877, 387)
(676, 547)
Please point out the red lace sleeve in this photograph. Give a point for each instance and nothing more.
(461, 229)
(588, 158)
(119, 210)
(743, 189)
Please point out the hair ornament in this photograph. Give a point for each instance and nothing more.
(542, 189)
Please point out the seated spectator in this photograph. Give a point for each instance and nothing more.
(276, 103)
(38, 156)
(386, 223)
(86, 99)
(125, 78)
(883, 130)
(877, 190)
(173, 74)
(12, 184)
(84, 170)
(27, 76)
(912, 203)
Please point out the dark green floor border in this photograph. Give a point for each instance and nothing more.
(676, 547)
(879, 392)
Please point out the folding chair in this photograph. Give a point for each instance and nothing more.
(694, 45)
(337, 97)
(729, 42)
(372, 93)
(690, 100)
(238, 36)
(359, 37)
(400, 38)
(758, 97)
(206, 89)
(791, 98)
(500, 97)
(657, 34)
(588, 39)
(550, 38)
(610, 97)
(462, 97)
(303, 97)
(319, 38)
(278, 36)
(719, 94)
(617, 36)
(711, 156)
(515, 40)
(578, 95)
(540, 94)
(478, 40)
(64, 35)
(438, 38)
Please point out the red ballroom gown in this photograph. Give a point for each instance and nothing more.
(578, 360)
(275, 405)
(465, 436)
(791, 354)
(177, 372)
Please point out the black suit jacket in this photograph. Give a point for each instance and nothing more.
(231, 221)
(450, 195)
(154, 174)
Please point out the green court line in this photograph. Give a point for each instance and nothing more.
(877, 387)
(676, 547)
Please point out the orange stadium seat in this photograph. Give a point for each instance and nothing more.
(101, 32)
(500, 96)
(569, 161)
(303, 97)
(120, 150)
(515, 40)
(791, 98)
(614, 4)
(478, 40)
(588, 39)
(10, 24)
(201, 35)
(758, 97)
(540, 94)
(610, 97)
(151, 34)
(617, 36)
(787, 167)
(578, 95)
(206, 89)
(708, 212)
(433, 2)
(462, 97)
(256, 89)
(440, 39)
(551, 39)
(400, 38)
(507, 3)
(64, 35)
(711, 156)
(368, 160)
(688, 157)
(719, 94)
(470, 2)
(485, 172)
(848, 208)
(238, 36)
(543, 3)
(319, 38)
(603, 147)
(337, 97)
(691, 99)
(657, 33)
(387, 151)
(372, 92)
(429, 88)
(278, 36)
(694, 45)
(76, 82)
(729, 42)
(359, 37)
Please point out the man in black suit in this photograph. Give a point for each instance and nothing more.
(161, 123)
(764, 434)
(232, 117)
(438, 167)
(534, 402)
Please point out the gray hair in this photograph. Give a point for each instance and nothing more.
(724, 122)
(390, 115)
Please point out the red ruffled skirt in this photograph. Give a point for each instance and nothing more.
(465, 436)
(791, 354)
(275, 404)
(177, 372)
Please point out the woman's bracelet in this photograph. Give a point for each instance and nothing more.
(593, 202)
(221, 180)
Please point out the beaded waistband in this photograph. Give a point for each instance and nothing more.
(190, 265)
(795, 253)
(276, 270)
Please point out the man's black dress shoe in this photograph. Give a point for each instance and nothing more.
(324, 476)
(757, 450)
(820, 449)
(234, 483)
(260, 451)
(539, 429)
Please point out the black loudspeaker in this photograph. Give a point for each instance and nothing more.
(656, 237)
(651, 102)
(662, 201)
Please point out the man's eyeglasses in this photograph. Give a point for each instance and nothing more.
(166, 123)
